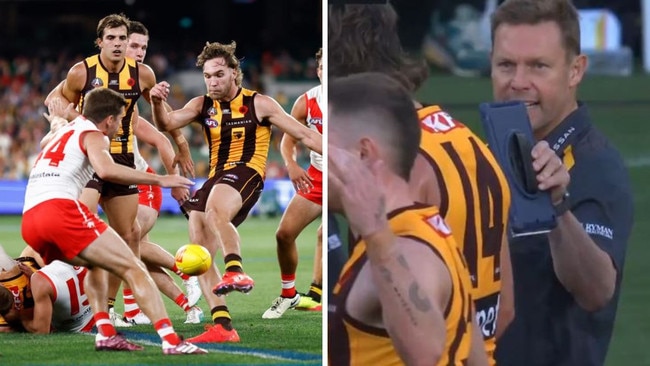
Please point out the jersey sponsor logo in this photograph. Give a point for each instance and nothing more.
(602, 230)
(96, 83)
(560, 141)
(487, 309)
(315, 121)
(113, 82)
(211, 123)
(226, 111)
(438, 122)
(241, 122)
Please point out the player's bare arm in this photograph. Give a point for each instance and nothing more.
(477, 354)
(585, 270)
(267, 107)
(506, 313)
(183, 158)
(167, 121)
(147, 80)
(299, 177)
(146, 132)
(55, 93)
(72, 87)
(56, 118)
(41, 292)
(412, 307)
(96, 144)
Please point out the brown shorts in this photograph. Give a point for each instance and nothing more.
(109, 189)
(242, 178)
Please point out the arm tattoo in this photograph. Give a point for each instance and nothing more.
(414, 300)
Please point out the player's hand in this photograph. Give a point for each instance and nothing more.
(357, 188)
(57, 108)
(57, 114)
(183, 159)
(180, 194)
(175, 181)
(552, 174)
(159, 92)
(25, 269)
(299, 177)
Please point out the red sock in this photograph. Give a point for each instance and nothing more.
(288, 285)
(131, 307)
(104, 325)
(182, 275)
(166, 331)
(182, 301)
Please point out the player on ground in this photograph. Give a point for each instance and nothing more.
(237, 124)
(303, 209)
(80, 237)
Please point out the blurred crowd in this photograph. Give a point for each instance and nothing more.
(26, 81)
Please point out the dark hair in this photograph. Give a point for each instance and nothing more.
(137, 27)
(376, 102)
(6, 300)
(112, 21)
(100, 103)
(225, 51)
(532, 12)
(364, 38)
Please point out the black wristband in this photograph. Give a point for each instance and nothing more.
(564, 205)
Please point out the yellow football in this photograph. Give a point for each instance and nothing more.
(193, 259)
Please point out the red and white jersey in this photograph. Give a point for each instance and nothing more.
(71, 310)
(315, 120)
(62, 168)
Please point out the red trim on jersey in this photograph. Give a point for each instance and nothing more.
(51, 284)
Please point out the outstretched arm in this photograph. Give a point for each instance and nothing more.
(146, 132)
(96, 145)
(267, 107)
(299, 177)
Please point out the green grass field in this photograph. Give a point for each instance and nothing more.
(296, 338)
(620, 108)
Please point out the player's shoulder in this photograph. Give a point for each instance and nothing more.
(313, 92)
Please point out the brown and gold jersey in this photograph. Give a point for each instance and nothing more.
(354, 343)
(18, 284)
(234, 134)
(475, 202)
(126, 82)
